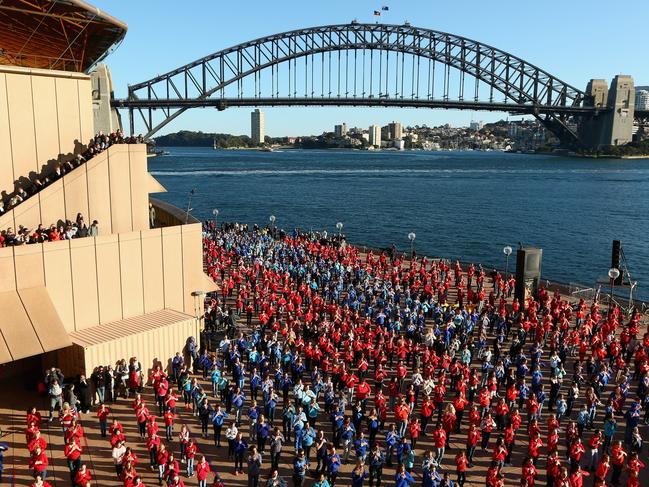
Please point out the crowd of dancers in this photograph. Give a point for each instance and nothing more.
(335, 357)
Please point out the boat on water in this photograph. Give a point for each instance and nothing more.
(267, 149)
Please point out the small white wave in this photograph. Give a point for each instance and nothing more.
(399, 171)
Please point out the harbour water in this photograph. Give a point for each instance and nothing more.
(464, 205)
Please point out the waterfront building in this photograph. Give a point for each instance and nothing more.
(642, 100)
(340, 130)
(476, 126)
(257, 127)
(375, 135)
(395, 130)
(133, 287)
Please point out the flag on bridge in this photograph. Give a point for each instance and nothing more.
(385, 8)
(377, 13)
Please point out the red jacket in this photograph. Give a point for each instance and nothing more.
(202, 470)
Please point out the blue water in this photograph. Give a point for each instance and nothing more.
(460, 205)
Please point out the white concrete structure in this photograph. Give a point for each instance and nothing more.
(375, 135)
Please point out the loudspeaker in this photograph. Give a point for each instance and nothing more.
(528, 273)
(615, 260)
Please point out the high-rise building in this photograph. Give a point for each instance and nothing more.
(375, 135)
(642, 100)
(396, 132)
(340, 130)
(257, 127)
(475, 125)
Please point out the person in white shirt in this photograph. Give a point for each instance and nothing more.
(118, 454)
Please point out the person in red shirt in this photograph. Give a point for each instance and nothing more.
(39, 462)
(492, 474)
(427, 409)
(534, 447)
(190, 454)
(577, 449)
(473, 438)
(619, 457)
(75, 430)
(577, 477)
(30, 432)
(37, 441)
(603, 468)
(635, 464)
(39, 482)
(102, 414)
(176, 481)
(33, 416)
(73, 455)
(83, 477)
(594, 443)
(461, 464)
(528, 474)
(487, 425)
(414, 430)
(401, 413)
(169, 417)
(202, 471)
(439, 440)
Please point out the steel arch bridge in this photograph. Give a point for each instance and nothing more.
(361, 65)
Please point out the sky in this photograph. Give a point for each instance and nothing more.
(574, 40)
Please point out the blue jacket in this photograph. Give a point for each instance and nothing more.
(403, 480)
(333, 463)
(218, 418)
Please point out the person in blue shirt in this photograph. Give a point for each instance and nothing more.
(403, 478)
(582, 419)
(263, 431)
(288, 413)
(376, 460)
(333, 466)
(271, 405)
(347, 434)
(431, 477)
(253, 416)
(255, 384)
(240, 446)
(176, 365)
(322, 481)
(632, 417)
(300, 466)
(361, 447)
(309, 436)
(238, 398)
(337, 420)
(391, 440)
(359, 474)
(299, 422)
(218, 417)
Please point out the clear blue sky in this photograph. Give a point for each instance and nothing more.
(574, 40)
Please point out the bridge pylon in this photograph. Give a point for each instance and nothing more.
(614, 124)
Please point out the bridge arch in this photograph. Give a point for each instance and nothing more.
(524, 86)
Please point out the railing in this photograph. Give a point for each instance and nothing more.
(574, 290)
(168, 215)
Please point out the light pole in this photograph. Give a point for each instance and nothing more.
(411, 237)
(507, 250)
(215, 212)
(339, 227)
(199, 303)
(189, 204)
(613, 274)
(272, 225)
